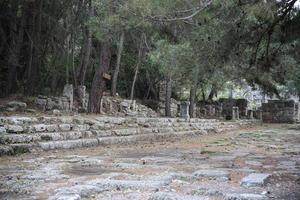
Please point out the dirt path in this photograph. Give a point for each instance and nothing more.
(206, 167)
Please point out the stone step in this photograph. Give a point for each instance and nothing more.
(69, 144)
(18, 129)
(13, 149)
(22, 134)
(72, 135)
(17, 120)
(28, 138)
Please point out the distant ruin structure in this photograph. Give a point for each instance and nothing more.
(280, 111)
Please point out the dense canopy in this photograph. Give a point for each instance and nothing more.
(195, 46)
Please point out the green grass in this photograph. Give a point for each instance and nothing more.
(210, 152)
(20, 150)
(200, 191)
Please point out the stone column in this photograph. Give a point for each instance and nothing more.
(260, 115)
(221, 110)
(251, 114)
(210, 110)
(68, 92)
(297, 111)
(133, 105)
(83, 97)
(101, 105)
(184, 110)
(235, 113)
(213, 110)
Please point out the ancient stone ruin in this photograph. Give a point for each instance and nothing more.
(64, 102)
(280, 111)
(233, 108)
(24, 134)
(184, 110)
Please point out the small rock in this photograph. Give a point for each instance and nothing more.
(55, 112)
(31, 110)
(265, 192)
(2, 130)
(11, 109)
(20, 106)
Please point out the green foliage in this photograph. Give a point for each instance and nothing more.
(228, 41)
(172, 58)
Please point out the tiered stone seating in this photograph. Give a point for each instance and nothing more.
(25, 134)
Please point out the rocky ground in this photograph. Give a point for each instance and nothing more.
(250, 164)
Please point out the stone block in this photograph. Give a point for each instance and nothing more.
(79, 127)
(210, 173)
(255, 179)
(56, 112)
(17, 105)
(83, 98)
(39, 127)
(14, 129)
(52, 127)
(65, 127)
(68, 91)
(41, 102)
(184, 109)
(124, 132)
(2, 130)
(89, 142)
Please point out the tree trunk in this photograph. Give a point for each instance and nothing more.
(150, 83)
(136, 71)
(203, 95)
(192, 100)
(15, 48)
(117, 69)
(98, 84)
(86, 51)
(33, 74)
(168, 97)
(193, 92)
(212, 93)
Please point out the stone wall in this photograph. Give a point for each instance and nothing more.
(64, 102)
(109, 105)
(280, 111)
(125, 107)
(209, 110)
(174, 108)
(229, 104)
